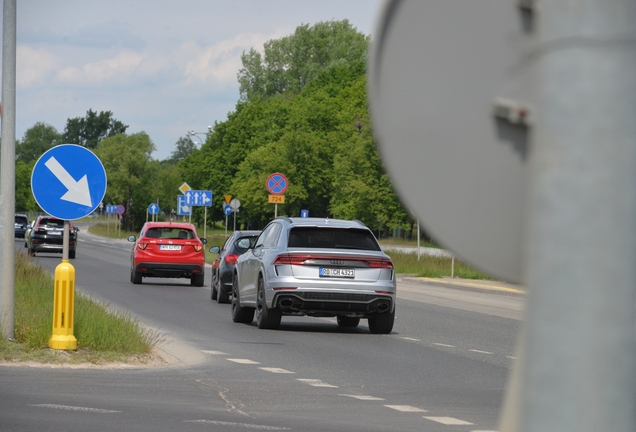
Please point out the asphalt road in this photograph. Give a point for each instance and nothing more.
(443, 368)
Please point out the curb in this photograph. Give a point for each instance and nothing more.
(490, 287)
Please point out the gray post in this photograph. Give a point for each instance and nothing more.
(7, 170)
(65, 240)
(576, 370)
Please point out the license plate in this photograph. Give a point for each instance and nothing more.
(55, 233)
(170, 247)
(335, 272)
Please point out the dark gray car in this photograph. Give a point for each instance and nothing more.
(223, 267)
(315, 267)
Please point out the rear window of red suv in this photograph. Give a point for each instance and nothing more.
(171, 233)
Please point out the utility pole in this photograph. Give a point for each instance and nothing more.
(7, 170)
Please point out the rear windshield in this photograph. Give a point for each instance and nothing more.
(22, 220)
(51, 223)
(171, 233)
(332, 238)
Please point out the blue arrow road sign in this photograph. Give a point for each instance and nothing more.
(182, 208)
(227, 209)
(153, 209)
(199, 198)
(68, 182)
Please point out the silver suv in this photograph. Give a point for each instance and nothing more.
(316, 267)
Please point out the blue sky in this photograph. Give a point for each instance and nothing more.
(163, 67)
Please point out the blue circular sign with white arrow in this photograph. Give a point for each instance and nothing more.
(153, 209)
(68, 182)
(227, 209)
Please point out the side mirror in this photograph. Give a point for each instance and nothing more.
(203, 240)
(132, 238)
(215, 249)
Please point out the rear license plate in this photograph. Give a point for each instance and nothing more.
(55, 233)
(335, 272)
(170, 247)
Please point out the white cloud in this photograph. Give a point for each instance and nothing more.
(117, 68)
(219, 63)
(34, 66)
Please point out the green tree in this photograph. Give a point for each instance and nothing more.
(90, 130)
(131, 172)
(183, 148)
(36, 140)
(290, 63)
(24, 200)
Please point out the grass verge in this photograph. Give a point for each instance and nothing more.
(103, 335)
(434, 267)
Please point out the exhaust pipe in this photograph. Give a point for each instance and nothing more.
(286, 303)
(383, 307)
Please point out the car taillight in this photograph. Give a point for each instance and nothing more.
(291, 259)
(381, 263)
(231, 259)
(198, 247)
(215, 264)
(142, 246)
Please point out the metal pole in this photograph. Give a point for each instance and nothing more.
(205, 222)
(235, 219)
(226, 226)
(66, 240)
(577, 357)
(7, 171)
(418, 240)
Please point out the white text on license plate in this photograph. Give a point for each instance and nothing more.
(170, 247)
(336, 272)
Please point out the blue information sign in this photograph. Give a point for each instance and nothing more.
(68, 182)
(304, 213)
(199, 198)
(153, 209)
(182, 208)
(227, 209)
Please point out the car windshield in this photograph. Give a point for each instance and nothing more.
(171, 233)
(52, 223)
(323, 238)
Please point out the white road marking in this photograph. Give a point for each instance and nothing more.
(444, 345)
(245, 425)
(213, 352)
(362, 397)
(480, 352)
(511, 358)
(276, 370)
(483, 431)
(449, 421)
(405, 408)
(243, 361)
(75, 408)
(411, 339)
(316, 383)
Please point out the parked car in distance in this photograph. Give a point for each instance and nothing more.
(46, 234)
(21, 224)
(168, 250)
(223, 267)
(315, 267)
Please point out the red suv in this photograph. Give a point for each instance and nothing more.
(168, 250)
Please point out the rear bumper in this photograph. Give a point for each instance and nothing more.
(168, 270)
(317, 303)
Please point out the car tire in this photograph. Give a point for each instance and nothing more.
(71, 254)
(135, 277)
(197, 280)
(222, 297)
(31, 252)
(240, 314)
(345, 321)
(266, 318)
(382, 323)
(215, 293)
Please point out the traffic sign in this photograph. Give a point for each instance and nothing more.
(235, 204)
(199, 198)
(276, 199)
(228, 198)
(276, 184)
(184, 188)
(68, 181)
(304, 213)
(227, 209)
(120, 209)
(110, 209)
(153, 209)
(182, 208)
(467, 183)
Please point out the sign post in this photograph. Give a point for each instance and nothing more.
(276, 185)
(68, 182)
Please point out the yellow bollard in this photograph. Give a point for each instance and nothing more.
(63, 308)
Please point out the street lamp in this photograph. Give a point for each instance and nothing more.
(196, 134)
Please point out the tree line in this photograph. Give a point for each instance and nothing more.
(302, 112)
